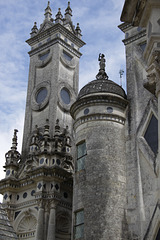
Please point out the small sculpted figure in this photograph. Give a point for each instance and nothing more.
(102, 61)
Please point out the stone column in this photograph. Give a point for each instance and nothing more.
(40, 222)
(52, 222)
(46, 217)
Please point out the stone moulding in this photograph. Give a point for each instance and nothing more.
(134, 37)
(66, 63)
(36, 106)
(59, 29)
(61, 104)
(52, 42)
(98, 99)
(99, 117)
(41, 172)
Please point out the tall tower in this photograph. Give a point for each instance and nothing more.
(99, 192)
(53, 74)
(37, 188)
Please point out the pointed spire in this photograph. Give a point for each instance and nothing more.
(102, 74)
(59, 17)
(48, 12)
(13, 156)
(46, 129)
(14, 140)
(34, 30)
(78, 31)
(57, 127)
(68, 13)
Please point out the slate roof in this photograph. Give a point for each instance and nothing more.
(6, 230)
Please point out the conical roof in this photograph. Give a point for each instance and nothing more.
(6, 230)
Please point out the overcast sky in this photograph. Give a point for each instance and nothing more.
(98, 21)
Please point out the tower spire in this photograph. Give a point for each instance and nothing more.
(34, 30)
(12, 156)
(68, 13)
(78, 31)
(48, 12)
(59, 17)
(14, 140)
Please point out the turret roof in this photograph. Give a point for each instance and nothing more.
(102, 84)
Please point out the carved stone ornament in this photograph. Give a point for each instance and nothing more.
(153, 78)
(27, 224)
(67, 164)
(102, 74)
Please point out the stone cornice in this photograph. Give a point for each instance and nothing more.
(56, 28)
(99, 117)
(19, 206)
(134, 37)
(98, 99)
(52, 42)
(40, 173)
(125, 26)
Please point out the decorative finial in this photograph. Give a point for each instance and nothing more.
(57, 127)
(14, 140)
(121, 71)
(78, 31)
(59, 17)
(68, 13)
(34, 30)
(102, 74)
(48, 12)
(46, 128)
(13, 156)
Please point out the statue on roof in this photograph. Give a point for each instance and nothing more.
(102, 74)
(102, 61)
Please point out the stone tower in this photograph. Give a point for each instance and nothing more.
(142, 36)
(53, 74)
(38, 187)
(99, 192)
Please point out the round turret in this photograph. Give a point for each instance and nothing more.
(100, 180)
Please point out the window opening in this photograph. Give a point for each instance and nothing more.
(81, 155)
(151, 134)
(79, 224)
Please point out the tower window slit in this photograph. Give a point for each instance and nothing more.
(81, 155)
(79, 224)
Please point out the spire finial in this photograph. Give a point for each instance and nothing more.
(59, 17)
(57, 127)
(102, 74)
(14, 140)
(13, 156)
(46, 128)
(78, 31)
(34, 30)
(68, 12)
(48, 12)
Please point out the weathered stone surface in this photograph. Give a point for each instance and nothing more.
(6, 229)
